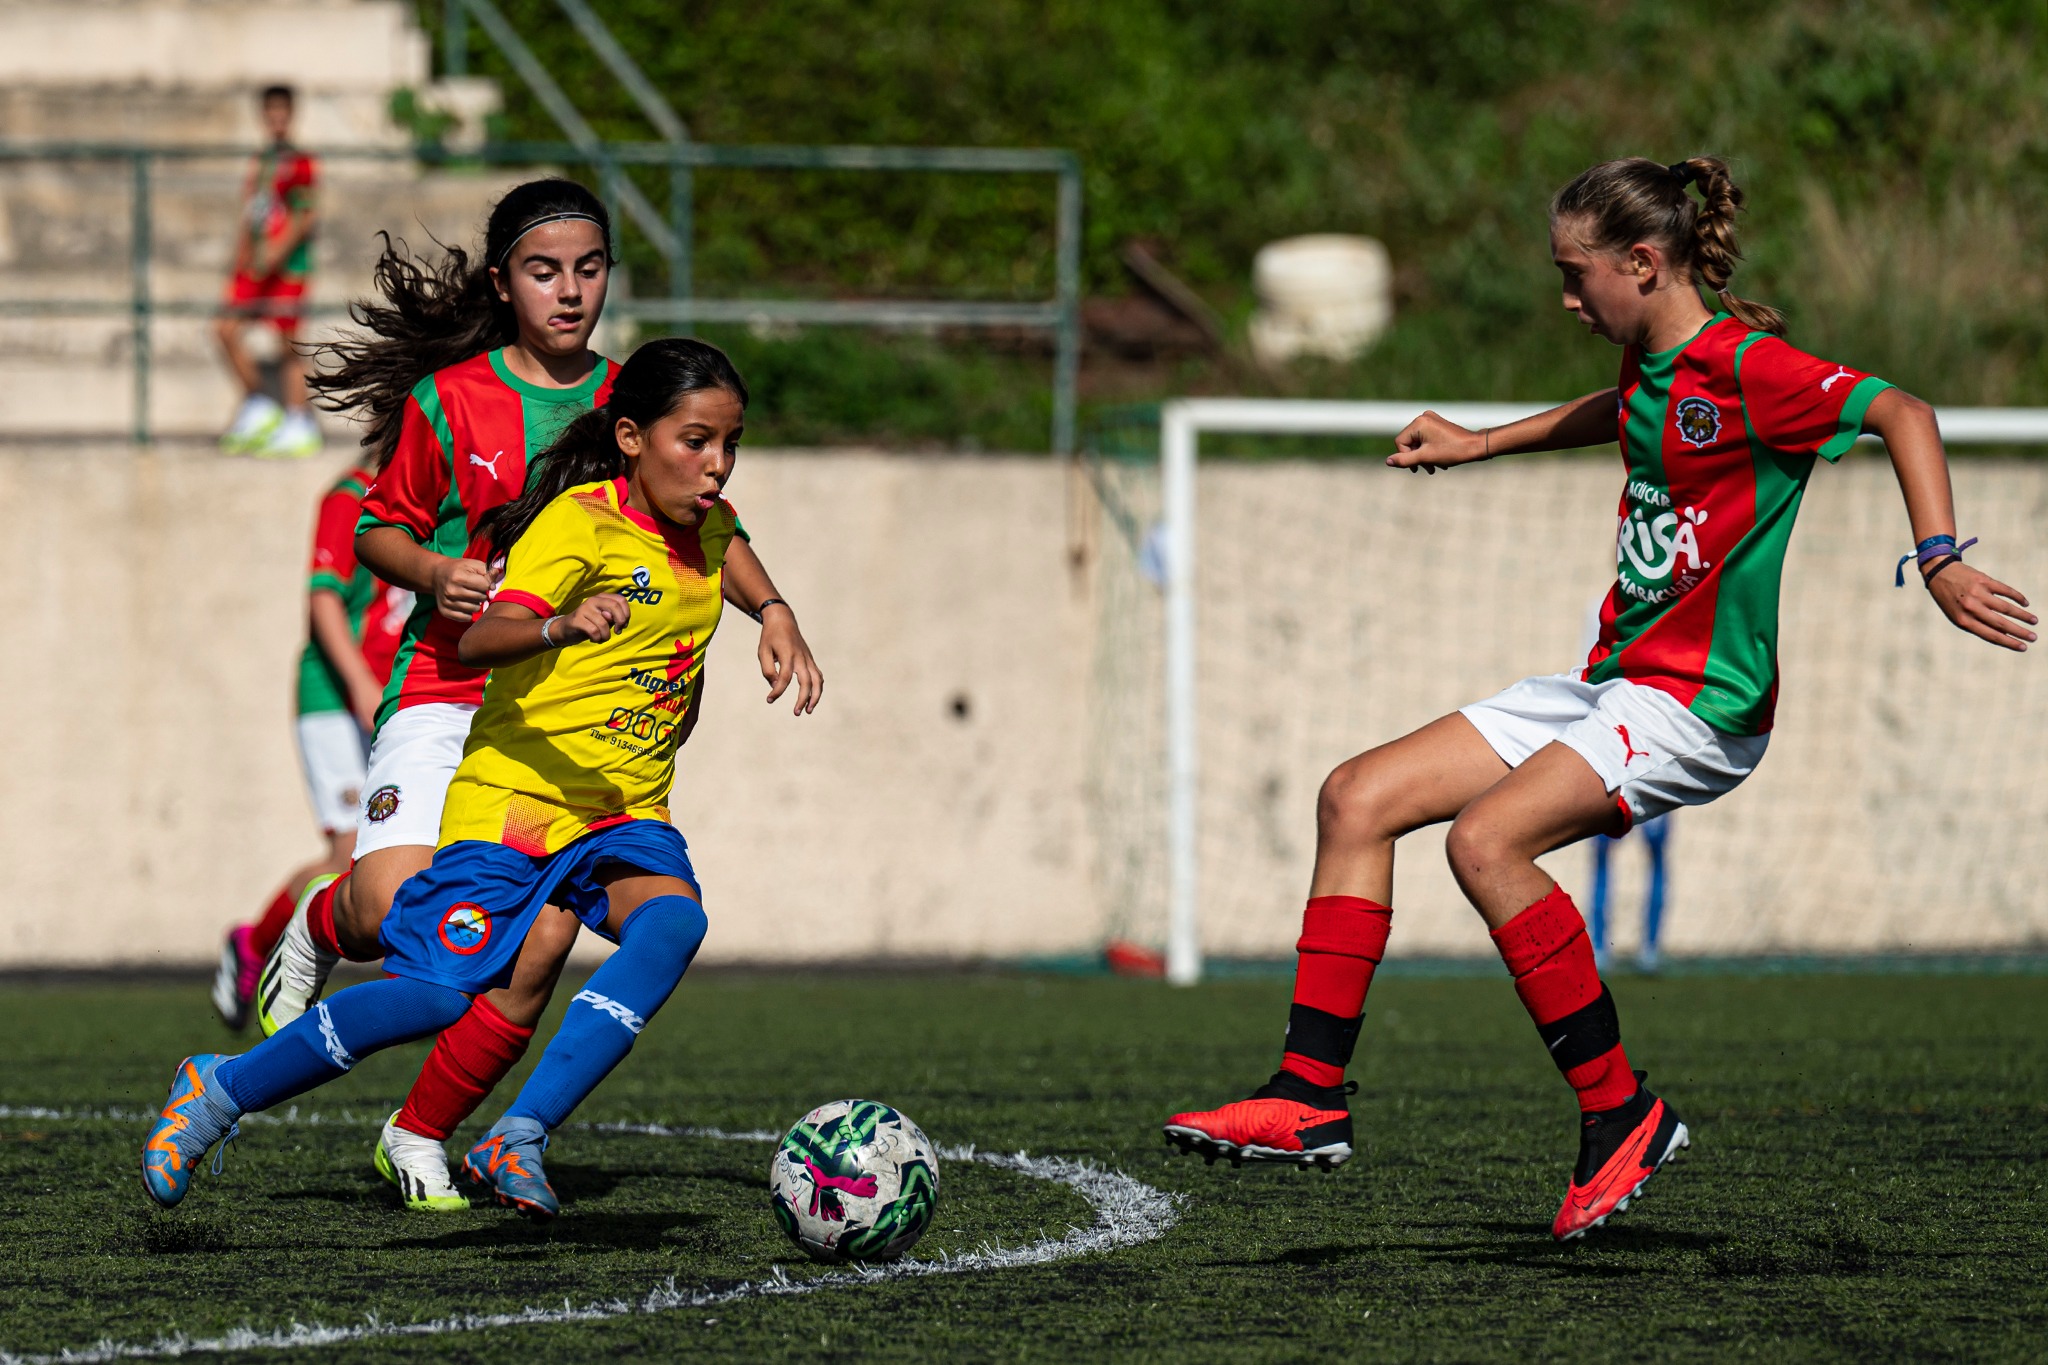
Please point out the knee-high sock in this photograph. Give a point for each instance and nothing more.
(331, 1037)
(1547, 952)
(264, 934)
(469, 1059)
(1342, 940)
(655, 948)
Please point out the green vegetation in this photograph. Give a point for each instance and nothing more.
(1896, 152)
(1865, 1183)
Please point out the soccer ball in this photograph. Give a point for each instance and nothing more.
(854, 1181)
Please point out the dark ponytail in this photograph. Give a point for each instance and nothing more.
(647, 388)
(434, 315)
(1616, 204)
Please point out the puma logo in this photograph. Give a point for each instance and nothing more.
(1829, 382)
(492, 463)
(1630, 752)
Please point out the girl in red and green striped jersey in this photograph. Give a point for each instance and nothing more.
(1720, 421)
(469, 369)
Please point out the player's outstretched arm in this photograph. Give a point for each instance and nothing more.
(1430, 442)
(459, 587)
(1972, 600)
(784, 655)
(510, 633)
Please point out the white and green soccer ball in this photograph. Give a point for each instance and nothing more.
(854, 1181)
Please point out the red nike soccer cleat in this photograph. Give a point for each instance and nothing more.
(1619, 1150)
(1286, 1121)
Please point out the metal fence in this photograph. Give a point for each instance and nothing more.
(672, 236)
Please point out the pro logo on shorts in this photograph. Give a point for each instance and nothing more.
(382, 805)
(1698, 422)
(640, 591)
(465, 929)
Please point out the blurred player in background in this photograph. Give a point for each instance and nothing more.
(354, 623)
(1720, 422)
(611, 596)
(273, 260)
(469, 370)
(1655, 836)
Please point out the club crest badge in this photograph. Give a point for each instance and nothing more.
(382, 805)
(1698, 422)
(465, 929)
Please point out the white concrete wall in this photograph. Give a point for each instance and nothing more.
(149, 792)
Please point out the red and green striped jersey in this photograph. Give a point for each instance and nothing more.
(336, 570)
(1720, 435)
(469, 433)
(280, 185)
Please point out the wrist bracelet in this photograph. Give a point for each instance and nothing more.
(1929, 550)
(546, 638)
(761, 608)
(1927, 579)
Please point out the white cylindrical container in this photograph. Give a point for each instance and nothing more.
(1325, 295)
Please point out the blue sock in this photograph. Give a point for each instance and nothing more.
(655, 948)
(327, 1039)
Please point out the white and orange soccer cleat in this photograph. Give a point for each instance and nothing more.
(1286, 1121)
(1619, 1150)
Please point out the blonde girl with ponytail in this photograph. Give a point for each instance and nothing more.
(1720, 422)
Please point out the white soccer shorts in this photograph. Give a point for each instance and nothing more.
(1652, 753)
(332, 749)
(411, 764)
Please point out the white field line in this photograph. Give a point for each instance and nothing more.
(1128, 1212)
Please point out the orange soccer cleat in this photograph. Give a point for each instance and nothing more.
(1287, 1121)
(1619, 1150)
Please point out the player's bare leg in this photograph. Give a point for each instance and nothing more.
(1625, 1132)
(467, 1061)
(1300, 1116)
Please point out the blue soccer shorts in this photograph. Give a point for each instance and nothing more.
(460, 923)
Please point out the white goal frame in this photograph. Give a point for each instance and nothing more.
(1181, 424)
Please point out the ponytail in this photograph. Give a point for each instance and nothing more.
(1616, 204)
(433, 315)
(647, 388)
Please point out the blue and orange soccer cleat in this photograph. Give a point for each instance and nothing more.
(197, 1115)
(1619, 1150)
(507, 1163)
(1287, 1121)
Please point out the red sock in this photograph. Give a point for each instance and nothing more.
(1342, 940)
(469, 1059)
(320, 917)
(264, 934)
(1551, 959)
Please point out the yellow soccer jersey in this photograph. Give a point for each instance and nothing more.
(586, 735)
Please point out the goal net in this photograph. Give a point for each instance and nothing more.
(1329, 604)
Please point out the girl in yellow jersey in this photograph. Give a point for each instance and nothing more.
(596, 641)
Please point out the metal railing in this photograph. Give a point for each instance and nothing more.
(1058, 315)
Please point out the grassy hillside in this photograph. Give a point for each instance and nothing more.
(1896, 154)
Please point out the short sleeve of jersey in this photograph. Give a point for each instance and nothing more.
(334, 540)
(551, 566)
(1800, 404)
(409, 493)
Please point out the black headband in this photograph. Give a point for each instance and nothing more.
(1684, 171)
(572, 216)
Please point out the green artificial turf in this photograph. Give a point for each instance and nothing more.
(1866, 1181)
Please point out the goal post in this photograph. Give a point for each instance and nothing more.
(1182, 423)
